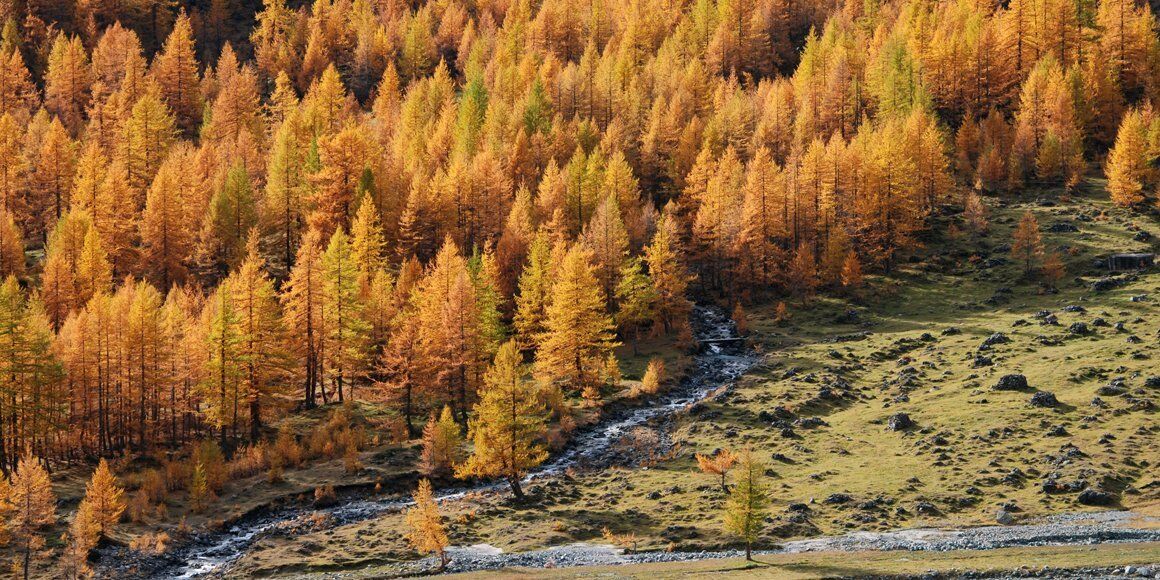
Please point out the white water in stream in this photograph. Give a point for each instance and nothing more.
(718, 365)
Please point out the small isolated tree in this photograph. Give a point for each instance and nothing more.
(426, 525)
(747, 505)
(104, 499)
(852, 272)
(1053, 269)
(740, 319)
(718, 464)
(80, 539)
(611, 372)
(627, 540)
(781, 313)
(441, 442)
(508, 429)
(803, 273)
(200, 493)
(653, 376)
(34, 507)
(975, 214)
(1028, 244)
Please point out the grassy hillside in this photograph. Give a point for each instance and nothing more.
(817, 409)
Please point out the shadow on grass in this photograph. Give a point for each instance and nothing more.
(758, 568)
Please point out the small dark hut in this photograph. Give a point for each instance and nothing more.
(1134, 261)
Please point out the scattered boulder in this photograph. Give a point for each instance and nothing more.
(1099, 322)
(778, 412)
(1004, 517)
(982, 361)
(1043, 399)
(837, 499)
(1062, 228)
(850, 316)
(1012, 382)
(899, 422)
(1091, 496)
(811, 422)
(1074, 308)
(997, 338)
(1079, 328)
(926, 508)
(1104, 284)
(1114, 388)
(1014, 477)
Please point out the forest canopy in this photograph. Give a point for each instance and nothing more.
(214, 212)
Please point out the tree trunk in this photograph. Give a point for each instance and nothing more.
(27, 556)
(255, 419)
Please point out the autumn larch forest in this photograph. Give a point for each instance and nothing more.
(450, 224)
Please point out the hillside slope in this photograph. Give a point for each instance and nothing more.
(818, 410)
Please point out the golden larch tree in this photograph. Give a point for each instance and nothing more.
(34, 507)
(302, 298)
(507, 431)
(578, 332)
(68, 81)
(748, 503)
(441, 443)
(347, 331)
(11, 246)
(261, 342)
(1027, 244)
(104, 500)
(175, 71)
(425, 524)
(1128, 168)
(717, 464)
(535, 291)
(669, 277)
